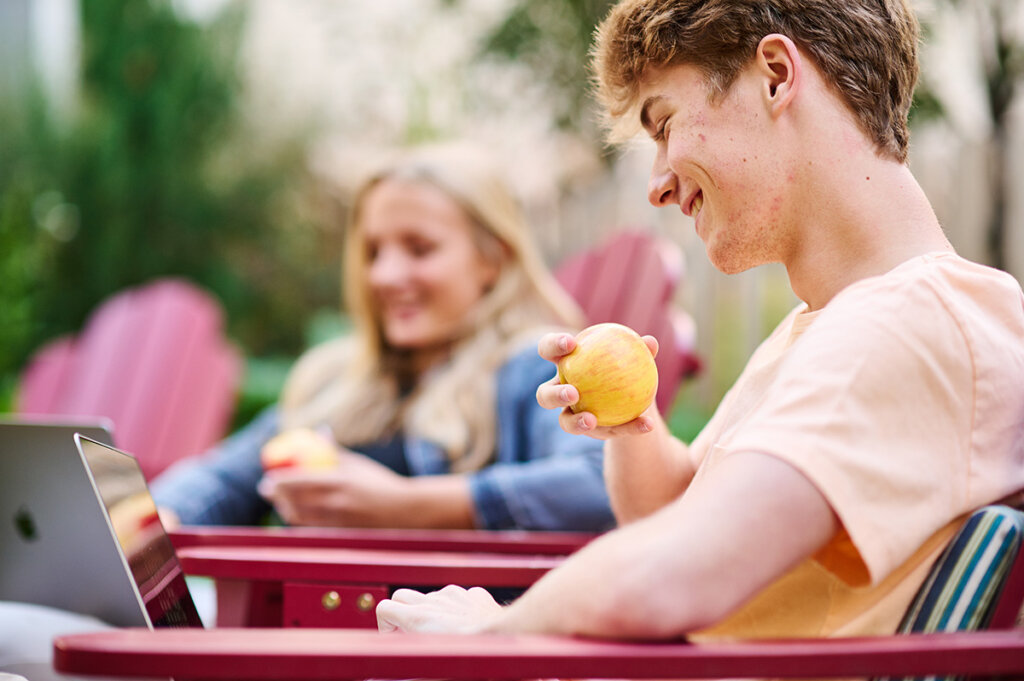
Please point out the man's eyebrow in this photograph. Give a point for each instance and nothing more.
(645, 112)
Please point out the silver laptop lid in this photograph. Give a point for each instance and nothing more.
(55, 544)
(143, 546)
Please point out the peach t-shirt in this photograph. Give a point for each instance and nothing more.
(902, 400)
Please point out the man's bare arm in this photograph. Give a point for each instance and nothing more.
(645, 472)
(743, 526)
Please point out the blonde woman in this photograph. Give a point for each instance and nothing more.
(430, 403)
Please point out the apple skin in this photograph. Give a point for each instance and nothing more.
(301, 448)
(613, 371)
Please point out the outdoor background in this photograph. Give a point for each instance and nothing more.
(219, 141)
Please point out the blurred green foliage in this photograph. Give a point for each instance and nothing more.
(154, 174)
(554, 40)
(689, 413)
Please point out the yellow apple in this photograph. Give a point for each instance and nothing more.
(614, 372)
(299, 448)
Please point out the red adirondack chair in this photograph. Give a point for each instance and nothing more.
(963, 622)
(275, 576)
(154, 360)
(339, 587)
(332, 654)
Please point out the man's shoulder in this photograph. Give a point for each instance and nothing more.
(940, 281)
(937, 301)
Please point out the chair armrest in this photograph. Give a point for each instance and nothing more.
(423, 568)
(520, 542)
(294, 654)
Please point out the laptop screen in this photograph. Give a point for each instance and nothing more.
(145, 546)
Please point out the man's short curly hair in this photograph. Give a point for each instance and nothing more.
(865, 49)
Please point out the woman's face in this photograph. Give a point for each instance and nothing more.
(425, 273)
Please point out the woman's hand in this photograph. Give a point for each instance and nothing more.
(452, 610)
(556, 395)
(358, 492)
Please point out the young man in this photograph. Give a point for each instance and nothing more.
(881, 411)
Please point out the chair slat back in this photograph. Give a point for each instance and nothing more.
(42, 381)
(153, 359)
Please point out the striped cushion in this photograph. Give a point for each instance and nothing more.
(963, 586)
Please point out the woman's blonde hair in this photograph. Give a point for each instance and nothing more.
(363, 389)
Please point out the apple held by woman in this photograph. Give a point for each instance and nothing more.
(614, 372)
(302, 448)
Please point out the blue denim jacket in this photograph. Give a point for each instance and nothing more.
(542, 478)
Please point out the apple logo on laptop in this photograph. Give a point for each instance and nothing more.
(25, 524)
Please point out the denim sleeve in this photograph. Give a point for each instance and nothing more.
(543, 478)
(219, 487)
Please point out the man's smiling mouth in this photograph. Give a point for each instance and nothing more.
(698, 202)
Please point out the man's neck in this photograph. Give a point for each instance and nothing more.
(864, 216)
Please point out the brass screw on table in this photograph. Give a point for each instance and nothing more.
(365, 602)
(331, 600)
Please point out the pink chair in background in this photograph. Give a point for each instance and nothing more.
(155, 361)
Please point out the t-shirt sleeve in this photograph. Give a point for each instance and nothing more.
(874, 404)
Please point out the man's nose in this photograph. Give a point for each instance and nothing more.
(661, 188)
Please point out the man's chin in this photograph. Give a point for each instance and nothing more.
(727, 265)
(734, 261)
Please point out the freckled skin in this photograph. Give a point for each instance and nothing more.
(723, 148)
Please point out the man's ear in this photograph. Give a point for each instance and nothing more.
(779, 62)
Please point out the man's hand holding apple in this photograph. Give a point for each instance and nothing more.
(645, 466)
(606, 381)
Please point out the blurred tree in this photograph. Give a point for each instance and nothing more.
(154, 176)
(554, 40)
(994, 27)
(26, 244)
(1002, 59)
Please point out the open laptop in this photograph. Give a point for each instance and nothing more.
(79, 532)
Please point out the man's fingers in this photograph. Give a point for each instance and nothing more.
(410, 610)
(585, 423)
(481, 595)
(578, 424)
(555, 395)
(638, 426)
(408, 596)
(452, 609)
(551, 346)
(393, 614)
(652, 345)
(390, 615)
